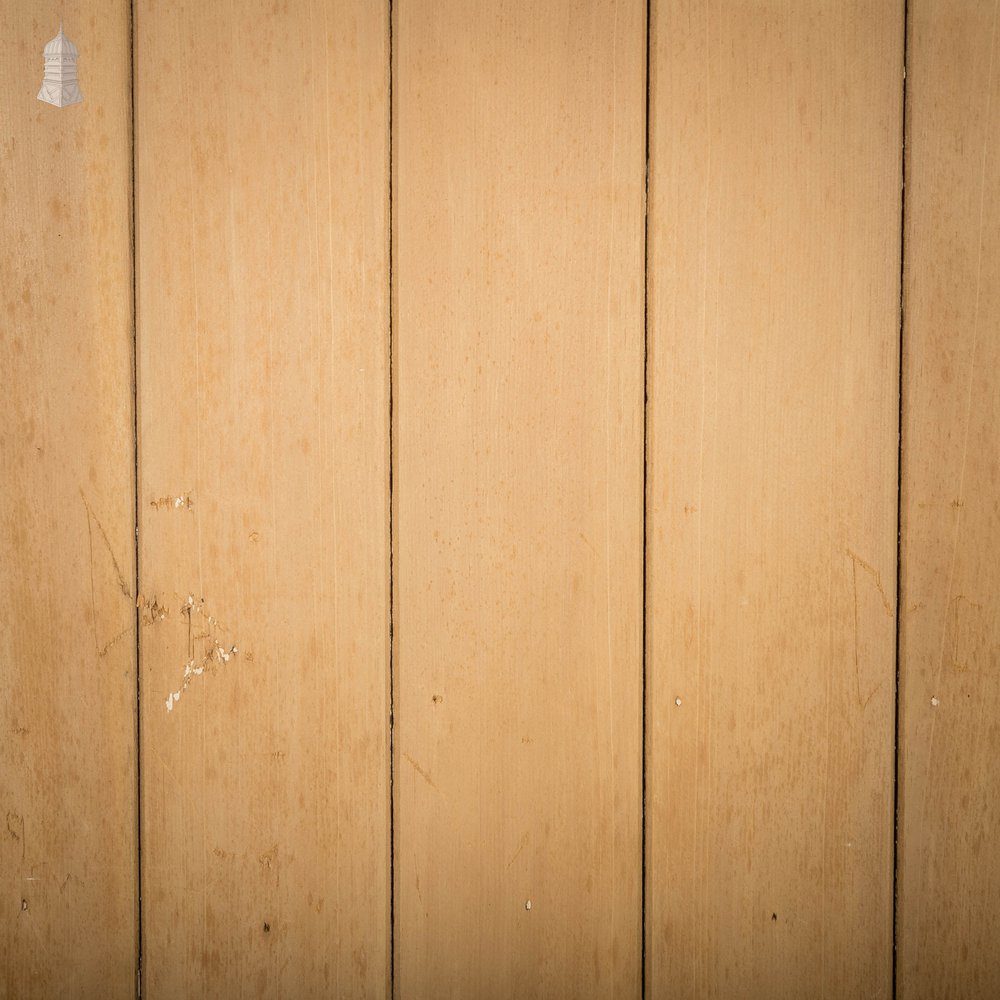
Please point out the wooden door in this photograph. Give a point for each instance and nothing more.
(466, 468)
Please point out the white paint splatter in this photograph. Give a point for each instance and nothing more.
(215, 653)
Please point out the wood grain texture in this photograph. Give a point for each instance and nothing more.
(773, 368)
(67, 642)
(262, 195)
(949, 866)
(517, 282)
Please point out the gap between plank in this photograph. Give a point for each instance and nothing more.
(135, 497)
(645, 496)
(391, 500)
(899, 510)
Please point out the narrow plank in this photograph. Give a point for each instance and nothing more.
(67, 544)
(262, 195)
(517, 281)
(949, 866)
(773, 367)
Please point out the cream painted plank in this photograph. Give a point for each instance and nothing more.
(67, 613)
(949, 865)
(518, 370)
(773, 367)
(262, 198)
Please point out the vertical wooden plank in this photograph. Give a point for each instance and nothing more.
(262, 194)
(773, 339)
(517, 282)
(949, 874)
(67, 543)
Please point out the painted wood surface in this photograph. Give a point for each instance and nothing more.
(774, 267)
(67, 610)
(517, 482)
(262, 178)
(949, 863)
(262, 197)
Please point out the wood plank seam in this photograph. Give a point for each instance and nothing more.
(899, 512)
(645, 497)
(135, 490)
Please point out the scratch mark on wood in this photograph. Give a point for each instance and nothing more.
(956, 603)
(269, 860)
(113, 641)
(70, 877)
(875, 575)
(520, 847)
(855, 562)
(92, 521)
(423, 774)
(150, 610)
(214, 653)
(102, 649)
(182, 502)
(15, 821)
